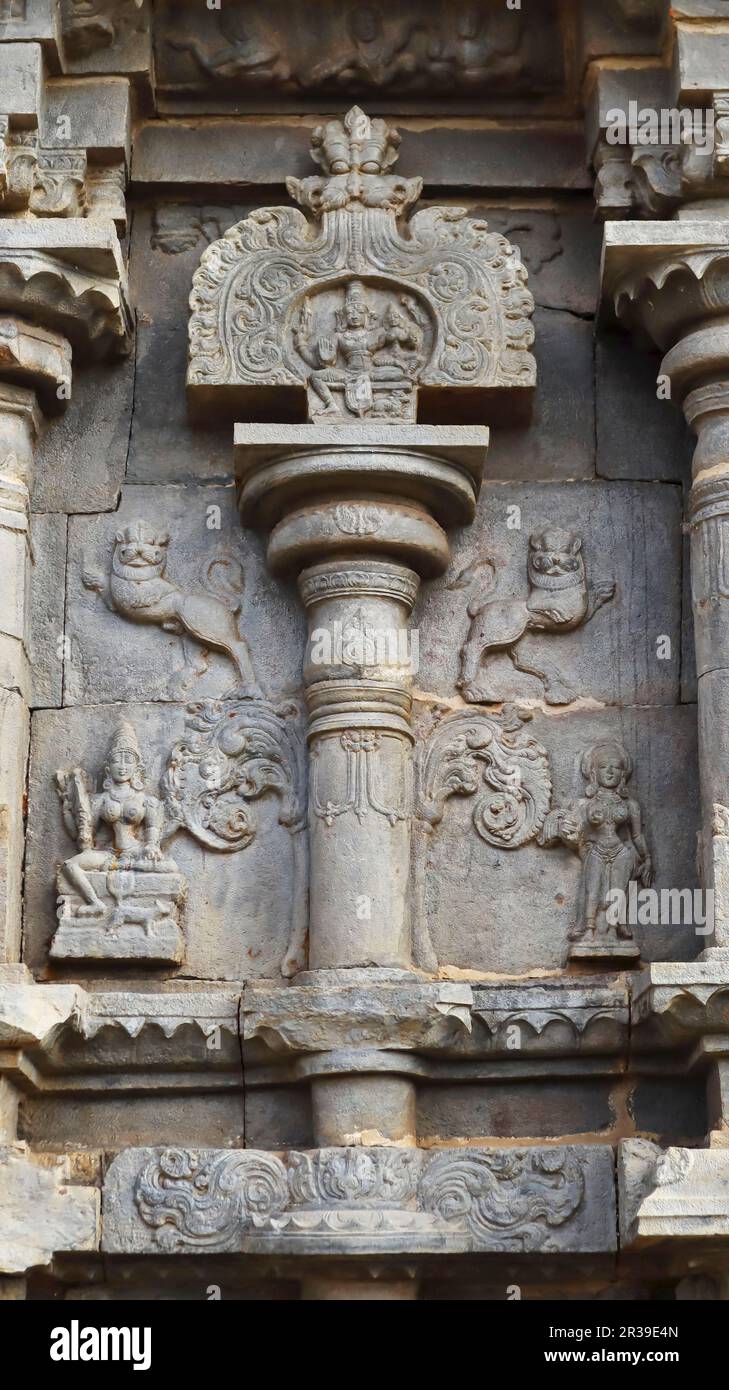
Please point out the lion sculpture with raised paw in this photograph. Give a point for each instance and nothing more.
(559, 600)
(139, 589)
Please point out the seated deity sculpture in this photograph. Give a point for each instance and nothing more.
(367, 362)
(604, 828)
(119, 896)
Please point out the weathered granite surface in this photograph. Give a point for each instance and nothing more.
(628, 532)
(42, 1210)
(348, 668)
(208, 553)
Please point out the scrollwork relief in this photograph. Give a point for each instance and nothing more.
(197, 1200)
(494, 756)
(479, 1199)
(495, 760)
(508, 1200)
(229, 757)
(352, 304)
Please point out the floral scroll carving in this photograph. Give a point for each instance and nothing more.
(506, 1199)
(231, 755)
(193, 1201)
(493, 759)
(476, 1199)
(493, 756)
(352, 304)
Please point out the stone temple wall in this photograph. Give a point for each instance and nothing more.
(364, 650)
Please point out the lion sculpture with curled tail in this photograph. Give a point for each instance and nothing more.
(559, 600)
(138, 589)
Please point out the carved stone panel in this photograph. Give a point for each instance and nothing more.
(246, 53)
(143, 581)
(375, 314)
(614, 657)
(471, 889)
(231, 782)
(360, 1200)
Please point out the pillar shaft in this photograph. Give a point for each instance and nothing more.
(19, 421)
(357, 682)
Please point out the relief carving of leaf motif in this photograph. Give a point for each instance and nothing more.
(505, 1198)
(193, 1201)
(469, 752)
(242, 286)
(254, 332)
(478, 289)
(353, 1177)
(231, 755)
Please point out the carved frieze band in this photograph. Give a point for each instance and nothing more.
(474, 1199)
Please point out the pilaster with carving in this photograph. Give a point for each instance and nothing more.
(366, 324)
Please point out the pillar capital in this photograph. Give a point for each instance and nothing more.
(665, 280)
(67, 275)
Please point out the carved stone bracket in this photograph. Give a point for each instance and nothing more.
(69, 276)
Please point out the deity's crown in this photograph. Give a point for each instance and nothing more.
(124, 741)
(356, 143)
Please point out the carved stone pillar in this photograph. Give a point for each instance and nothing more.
(59, 284)
(671, 282)
(370, 345)
(360, 771)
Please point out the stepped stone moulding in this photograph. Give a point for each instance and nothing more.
(354, 312)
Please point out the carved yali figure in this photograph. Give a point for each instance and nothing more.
(119, 896)
(604, 827)
(560, 600)
(138, 589)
